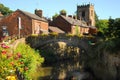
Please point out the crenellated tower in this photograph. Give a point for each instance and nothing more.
(86, 13)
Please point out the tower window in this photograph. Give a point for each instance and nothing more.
(83, 14)
(91, 12)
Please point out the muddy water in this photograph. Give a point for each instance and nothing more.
(63, 70)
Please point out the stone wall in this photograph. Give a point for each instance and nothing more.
(104, 65)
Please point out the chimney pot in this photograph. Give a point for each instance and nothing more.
(74, 17)
(70, 16)
(38, 12)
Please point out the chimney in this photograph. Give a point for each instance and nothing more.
(1, 14)
(70, 16)
(38, 12)
(74, 17)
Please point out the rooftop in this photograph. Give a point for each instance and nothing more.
(55, 29)
(33, 16)
(75, 21)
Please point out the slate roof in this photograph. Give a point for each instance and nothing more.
(55, 29)
(74, 21)
(33, 16)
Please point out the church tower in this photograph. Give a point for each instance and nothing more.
(86, 13)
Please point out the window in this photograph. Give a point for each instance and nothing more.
(91, 12)
(83, 14)
(5, 31)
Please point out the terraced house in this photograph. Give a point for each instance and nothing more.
(82, 23)
(70, 25)
(22, 23)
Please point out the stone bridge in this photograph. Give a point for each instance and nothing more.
(43, 41)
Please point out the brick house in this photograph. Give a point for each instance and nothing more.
(70, 24)
(23, 23)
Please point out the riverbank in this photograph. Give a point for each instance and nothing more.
(104, 60)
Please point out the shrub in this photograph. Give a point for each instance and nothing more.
(54, 34)
(23, 58)
(31, 58)
(69, 35)
(43, 35)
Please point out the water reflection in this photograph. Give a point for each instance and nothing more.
(63, 70)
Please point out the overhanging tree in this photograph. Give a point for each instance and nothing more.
(5, 10)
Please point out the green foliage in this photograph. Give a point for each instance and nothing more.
(69, 35)
(34, 35)
(5, 10)
(6, 62)
(102, 25)
(43, 35)
(63, 12)
(111, 46)
(55, 16)
(31, 57)
(77, 30)
(54, 34)
(113, 29)
(23, 58)
(111, 33)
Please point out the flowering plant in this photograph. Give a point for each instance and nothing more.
(23, 58)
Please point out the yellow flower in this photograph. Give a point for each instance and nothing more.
(21, 69)
(11, 78)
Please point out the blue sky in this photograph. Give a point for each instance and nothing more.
(103, 8)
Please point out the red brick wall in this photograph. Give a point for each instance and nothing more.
(62, 24)
(81, 30)
(11, 22)
(92, 30)
(74, 30)
(84, 30)
(37, 25)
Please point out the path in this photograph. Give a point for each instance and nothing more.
(16, 42)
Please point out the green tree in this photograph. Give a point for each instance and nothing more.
(77, 30)
(63, 12)
(55, 15)
(5, 10)
(116, 32)
(102, 25)
(113, 29)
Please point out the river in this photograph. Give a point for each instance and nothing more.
(62, 70)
